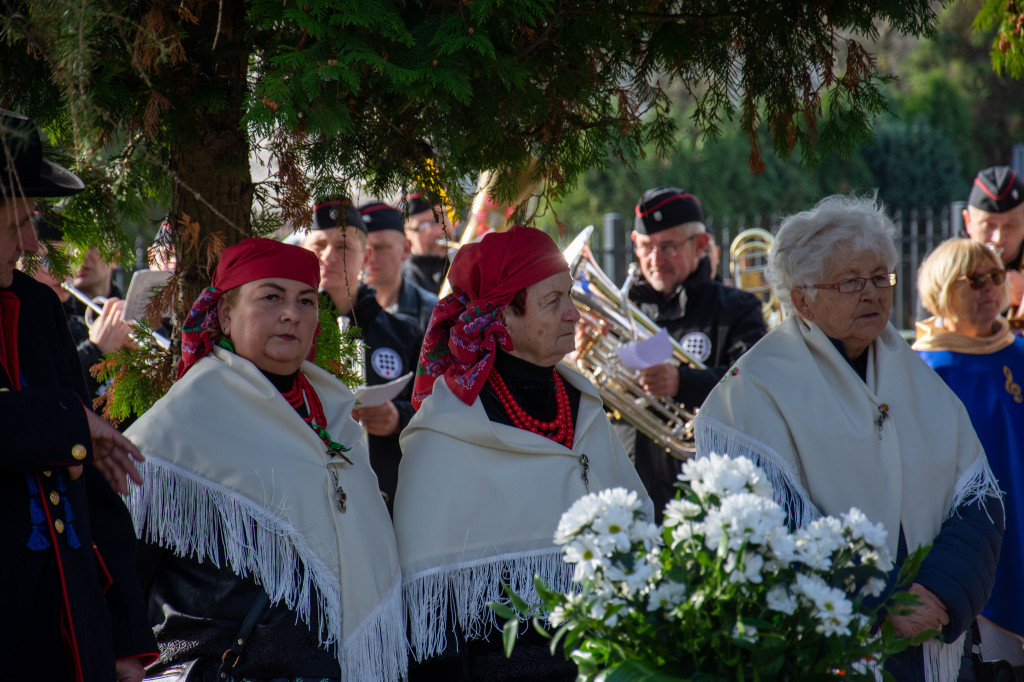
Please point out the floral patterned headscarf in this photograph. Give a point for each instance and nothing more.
(249, 260)
(465, 327)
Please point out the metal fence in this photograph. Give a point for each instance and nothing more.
(919, 232)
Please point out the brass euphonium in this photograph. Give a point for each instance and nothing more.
(611, 321)
(748, 262)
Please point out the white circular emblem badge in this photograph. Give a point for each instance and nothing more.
(697, 344)
(386, 362)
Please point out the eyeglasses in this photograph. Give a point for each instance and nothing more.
(424, 226)
(855, 284)
(978, 281)
(668, 249)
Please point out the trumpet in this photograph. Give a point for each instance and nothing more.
(95, 306)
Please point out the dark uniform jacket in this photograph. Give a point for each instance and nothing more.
(425, 271)
(414, 306)
(88, 353)
(393, 348)
(714, 323)
(68, 546)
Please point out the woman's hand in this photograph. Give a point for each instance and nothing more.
(381, 420)
(108, 332)
(929, 614)
(660, 380)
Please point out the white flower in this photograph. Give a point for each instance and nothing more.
(860, 527)
(831, 607)
(873, 587)
(666, 595)
(723, 475)
(745, 632)
(634, 580)
(557, 616)
(746, 571)
(580, 515)
(743, 517)
(686, 531)
(678, 511)
(783, 546)
(619, 497)
(613, 523)
(878, 558)
(587, 553)
(647, 534)
(779, 599)
(817, 542)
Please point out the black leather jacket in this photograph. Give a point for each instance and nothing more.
(197, 610)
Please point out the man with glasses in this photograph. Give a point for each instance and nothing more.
(714, 323)
(995, 216)
(427, 228)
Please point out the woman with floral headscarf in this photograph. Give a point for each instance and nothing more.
(271, 553)
(504, 441)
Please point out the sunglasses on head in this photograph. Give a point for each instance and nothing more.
(978, 281)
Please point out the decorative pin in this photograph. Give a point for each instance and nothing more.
(340, 496)
(883, 412)
(585, 470)
(339, 452)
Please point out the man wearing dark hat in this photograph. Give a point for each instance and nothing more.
(338, 238)
(714, 323)
(72, 609)
(995, 216)
(426, 227)
(387, 248)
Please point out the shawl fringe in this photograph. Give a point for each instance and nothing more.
(977, 483)
(464, 589)
(718, 437)
(257, 543)
(942, 661)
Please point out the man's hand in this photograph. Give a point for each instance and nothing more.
(112, 454)
(1015, 287)
(660, 380)
(130, 670)
(929, 614)
(108, 332)
(381, 420)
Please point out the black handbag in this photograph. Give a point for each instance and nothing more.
(988, 671)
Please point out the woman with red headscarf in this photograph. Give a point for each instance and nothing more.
(504, 441)
(271, 554)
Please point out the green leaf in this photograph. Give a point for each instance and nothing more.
(637, 671)
(509, 633)
(502, 610)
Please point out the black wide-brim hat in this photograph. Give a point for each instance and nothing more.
(23, 170)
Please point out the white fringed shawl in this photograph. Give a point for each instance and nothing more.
(478, 503)
(795, 407)
(233, 475)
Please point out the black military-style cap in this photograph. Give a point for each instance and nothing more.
(664, 207)
(336, 212)
(377, 215)
(997, 190)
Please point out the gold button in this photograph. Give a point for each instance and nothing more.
(58, 526)
(79, 452)
(47, 473)
(4, 389)
(54, 497)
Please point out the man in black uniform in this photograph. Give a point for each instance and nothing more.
(387, 249)
(426, 227)
(995, 216)
(72, 609)
(713, 323)
(338, 238)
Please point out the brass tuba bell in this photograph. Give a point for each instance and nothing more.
(610, 321)
(748, 262)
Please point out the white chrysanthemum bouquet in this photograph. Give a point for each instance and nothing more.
(724, 590)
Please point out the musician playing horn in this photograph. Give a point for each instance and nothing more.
(504, 441)
(714, 323)
(995, 216)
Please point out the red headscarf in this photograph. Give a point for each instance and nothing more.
(247, 261)
(465, 327)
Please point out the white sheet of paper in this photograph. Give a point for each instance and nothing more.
(372, 396)
(647, 353)
(140, 291)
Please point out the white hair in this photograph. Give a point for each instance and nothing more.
(811, 242)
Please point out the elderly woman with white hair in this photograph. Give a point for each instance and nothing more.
(840, 412)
